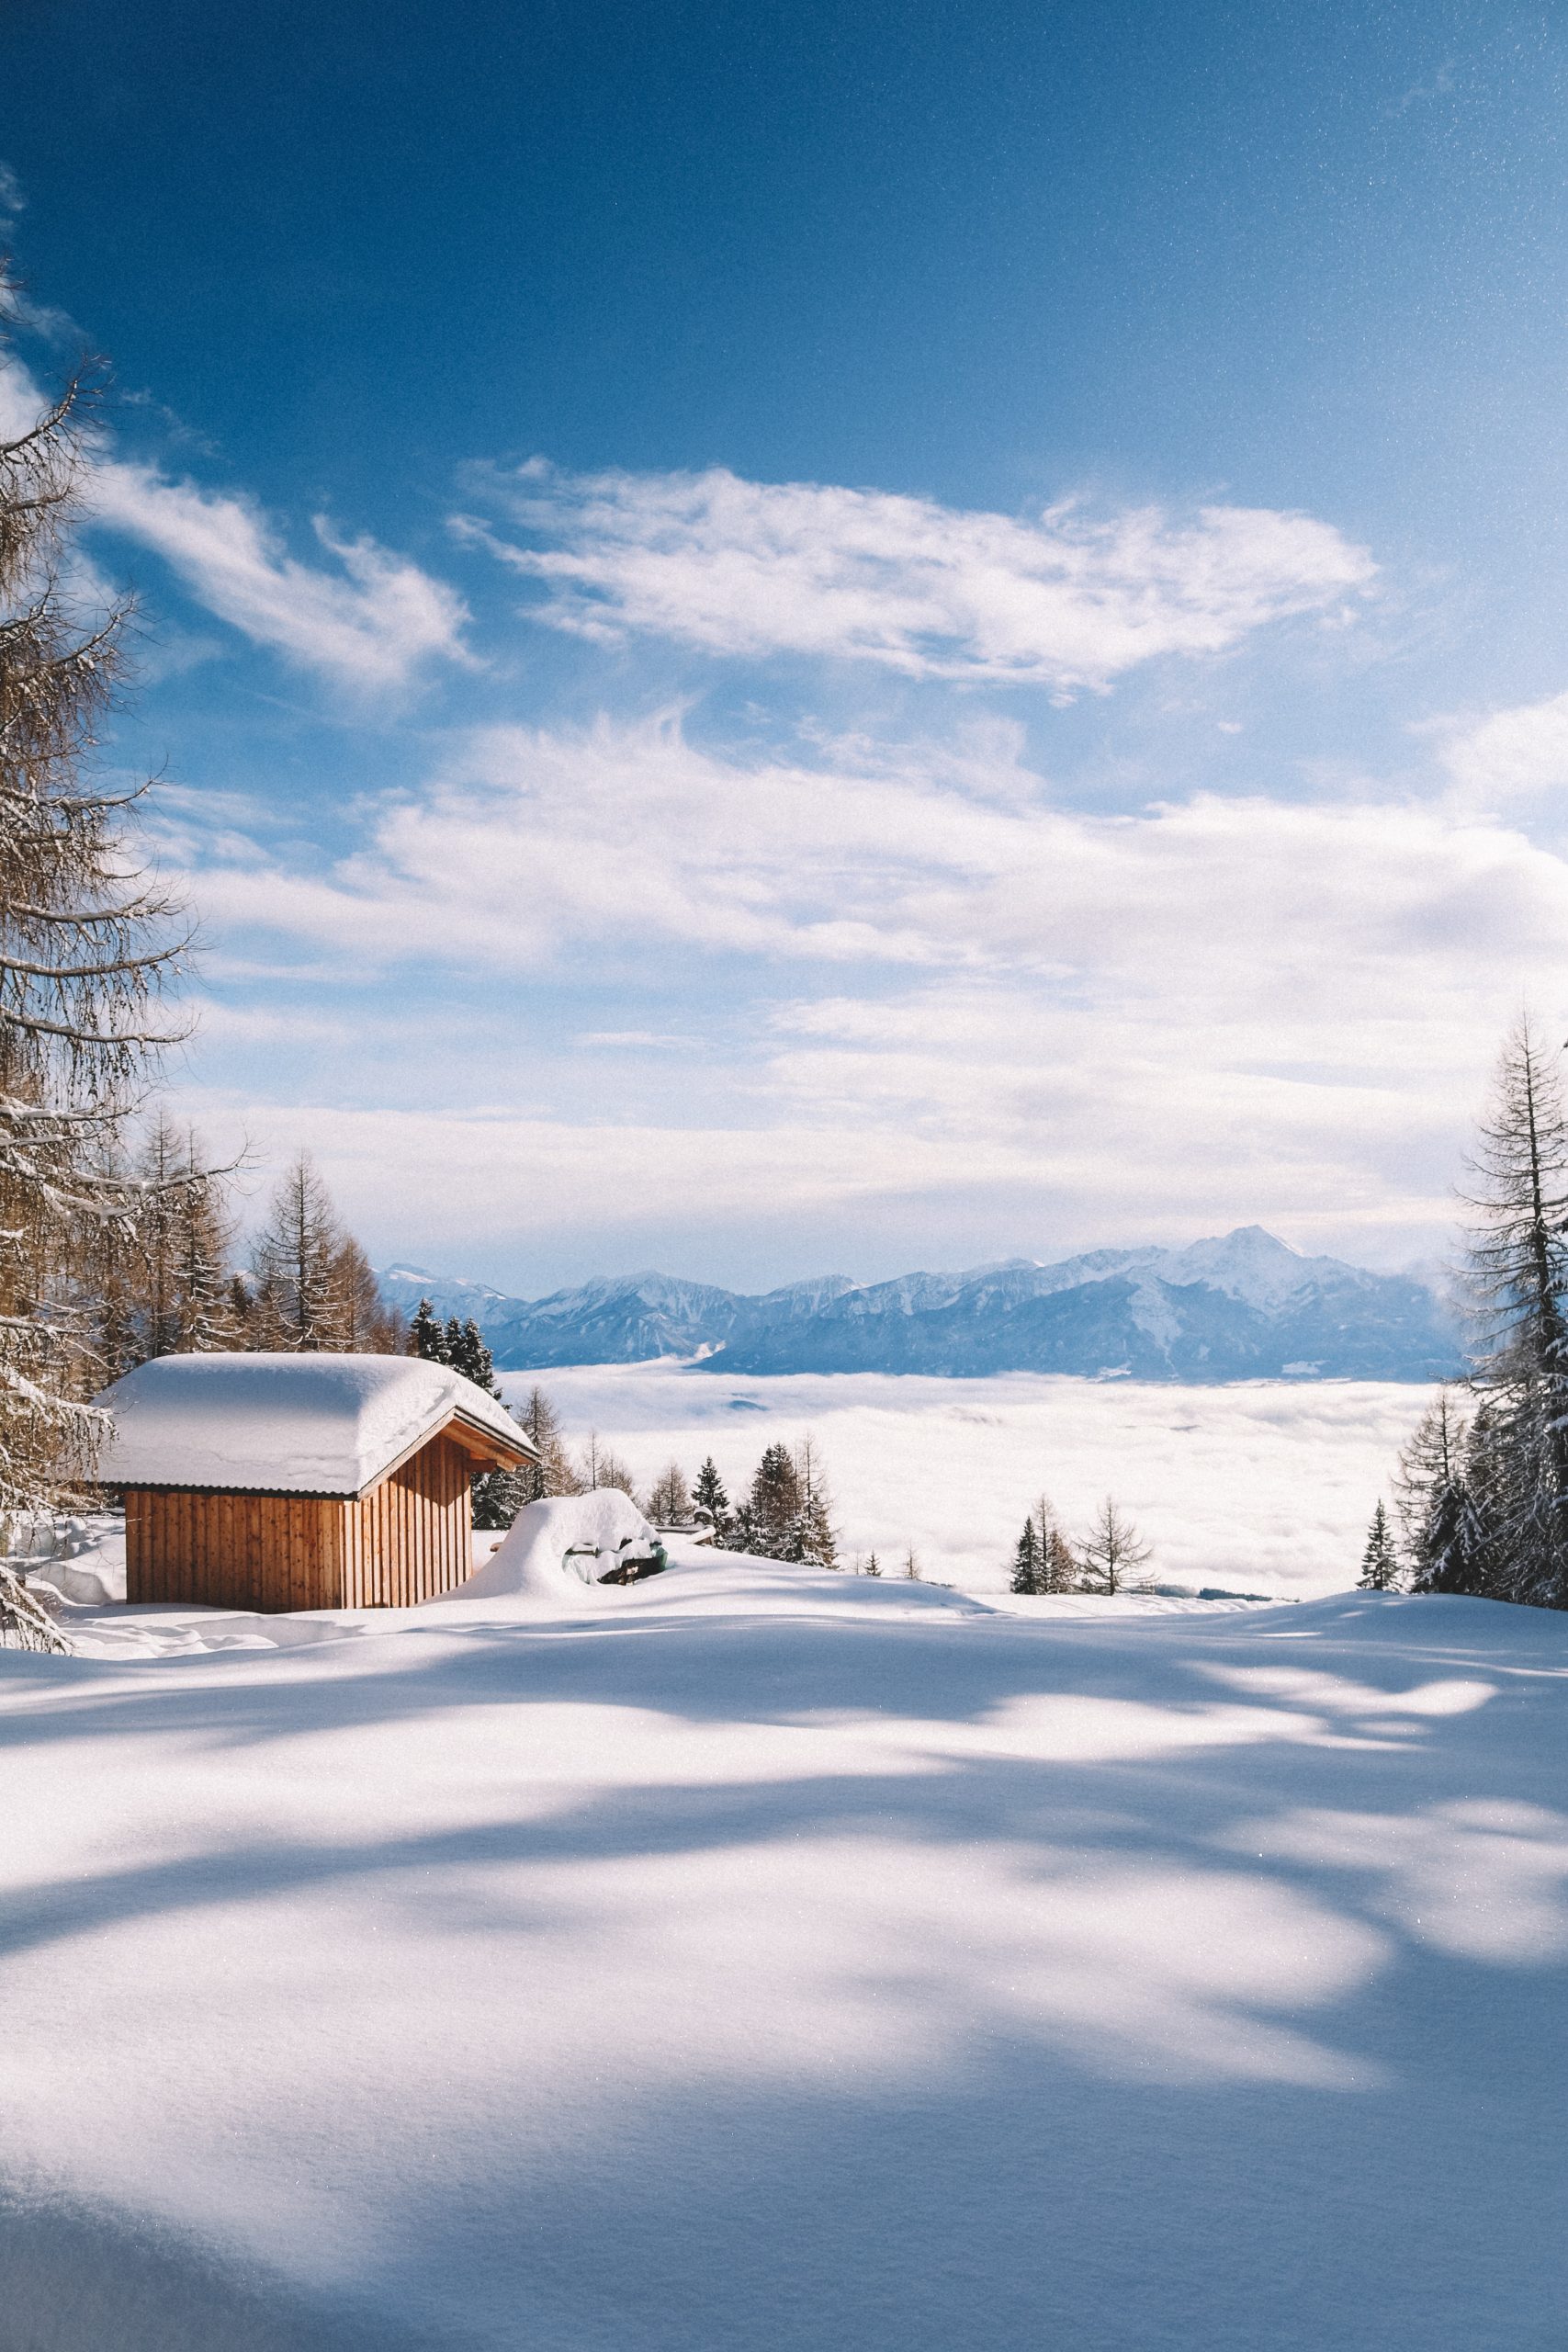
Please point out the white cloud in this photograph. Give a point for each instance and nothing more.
(369, 625)
(1514, 756)
(1063, 600)
(1204, 1013)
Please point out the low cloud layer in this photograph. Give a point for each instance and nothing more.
(1064, 600)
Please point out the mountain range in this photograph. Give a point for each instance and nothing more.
(1242, 1307)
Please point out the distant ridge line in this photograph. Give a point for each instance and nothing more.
(1241, 1305)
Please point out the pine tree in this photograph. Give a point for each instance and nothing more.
(293, 1259)
(1026, 1561)
(872, 1566)
(1112, 1553)
(427, 1336)
(1380, 1561)
(85, 952)
(711, 1501)
(1435, 1509)
(774, 1505)
(1518, 1255)
(467, 1353)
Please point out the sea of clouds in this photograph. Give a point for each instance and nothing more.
(1265, 1487)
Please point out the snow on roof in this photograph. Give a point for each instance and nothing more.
(287, 1424)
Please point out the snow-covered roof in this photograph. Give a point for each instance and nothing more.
(291, 1424)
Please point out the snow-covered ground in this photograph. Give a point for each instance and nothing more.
(1265, 1487)
(749, 1958)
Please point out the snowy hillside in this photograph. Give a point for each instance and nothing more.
(745, 1957)
(1242, 1307)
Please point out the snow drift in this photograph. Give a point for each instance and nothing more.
(553, 1548)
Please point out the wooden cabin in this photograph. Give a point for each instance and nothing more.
(275, 1482)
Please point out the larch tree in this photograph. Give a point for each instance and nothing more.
(601, 1466)
(86, 949)
(1112, 1554)
(812, 1538)
(366, 1325)
(554, 1472)
(670, 1497)
(293, 1259)
(1518, 1263)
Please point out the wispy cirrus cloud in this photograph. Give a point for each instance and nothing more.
(365, 618)
(1065, 599)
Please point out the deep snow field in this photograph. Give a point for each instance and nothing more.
(748, 1958)
(1264, 1486)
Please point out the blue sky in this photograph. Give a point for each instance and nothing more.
(831, 637)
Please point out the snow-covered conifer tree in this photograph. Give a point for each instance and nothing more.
(710, 1499)
(427, 1334)
(1380, 1561)
(1026, 1561)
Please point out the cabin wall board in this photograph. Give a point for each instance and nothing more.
(407, 1540)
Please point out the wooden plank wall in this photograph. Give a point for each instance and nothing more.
(409, 1539)
(267, 1552)
(412, 1537)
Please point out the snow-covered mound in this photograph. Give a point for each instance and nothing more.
(568, 1541)
(572, 1553)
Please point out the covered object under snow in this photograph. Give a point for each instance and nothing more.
(300, 1481)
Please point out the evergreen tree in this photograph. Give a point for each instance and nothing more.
(1112, 1554)
(711, 1501)
(427, 1336)
(1435, 1507)
(774, 1506)
(1518, 1255)
(1026, 1561)
(467, 1353)
(872, 1566)
(1380, 1561)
